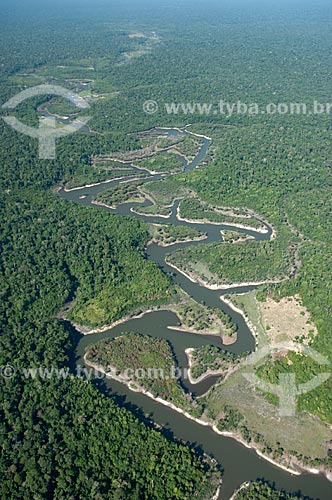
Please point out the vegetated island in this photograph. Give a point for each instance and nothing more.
(144, 364)
(211, 360)
(167, 235)
(123, 193)
(229, 236)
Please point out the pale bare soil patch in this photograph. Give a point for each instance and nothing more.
(286, 320)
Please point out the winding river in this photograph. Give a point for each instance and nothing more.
(239, 463)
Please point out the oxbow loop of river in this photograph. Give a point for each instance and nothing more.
(239, 463)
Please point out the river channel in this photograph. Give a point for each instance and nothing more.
(239, 463)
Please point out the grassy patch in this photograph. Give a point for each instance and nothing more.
(123, 193)
(169, 234)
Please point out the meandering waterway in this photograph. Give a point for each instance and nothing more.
(240, 463)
